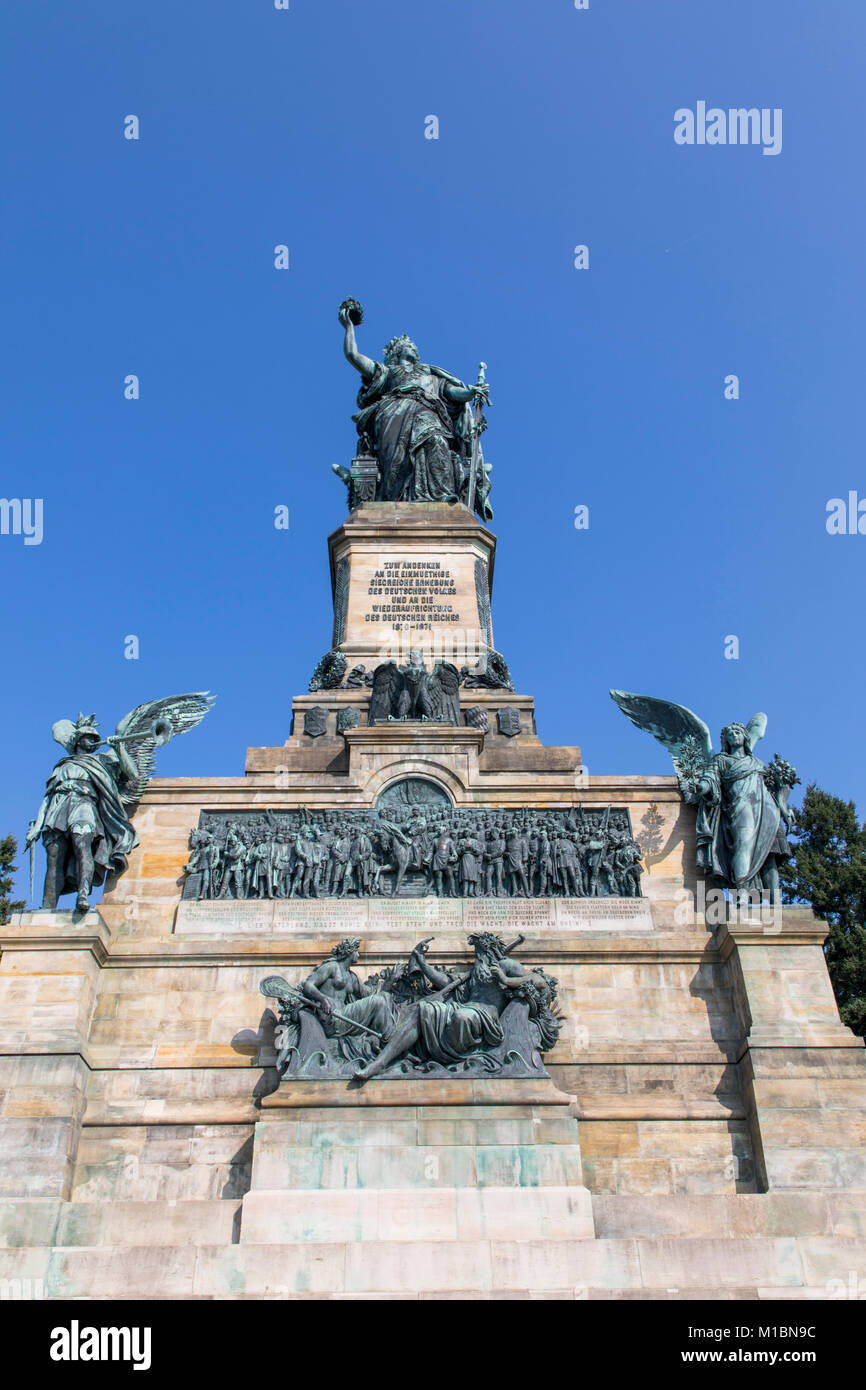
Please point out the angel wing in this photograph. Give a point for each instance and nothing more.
(150, 726)
(684, 735)
(756, 728)
(678, 728)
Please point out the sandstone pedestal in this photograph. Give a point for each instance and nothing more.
(392, 1178)
(412, 575)
(701, 1131)
(701, 1134)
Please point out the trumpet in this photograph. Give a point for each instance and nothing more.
(161, 730)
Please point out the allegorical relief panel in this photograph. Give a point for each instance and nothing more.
(496, 1018)
(413, 847)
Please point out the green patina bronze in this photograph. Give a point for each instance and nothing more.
(743, 814)
(495, 1018)
(84, 817)
(416, 427)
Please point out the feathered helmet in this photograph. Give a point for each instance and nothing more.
(68, 735)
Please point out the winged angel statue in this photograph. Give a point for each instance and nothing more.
(84, 817)
(742, 802)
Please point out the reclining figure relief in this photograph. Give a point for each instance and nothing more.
(496, 1018)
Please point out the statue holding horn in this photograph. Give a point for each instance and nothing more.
(84, 817)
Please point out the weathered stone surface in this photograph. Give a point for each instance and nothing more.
(411, 582)
(148, 1223)
(26, 1222)
(296, 916)
(727, 1216)
(441, 1213)
(664, 1263)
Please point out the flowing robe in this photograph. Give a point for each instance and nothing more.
(741, 818)
(451, 1032)
(415, 432)
(468, 1023)
(372, 1010)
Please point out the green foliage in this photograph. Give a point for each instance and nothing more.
(828, 871)
(8, 851)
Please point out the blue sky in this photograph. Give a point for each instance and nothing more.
(306, 127)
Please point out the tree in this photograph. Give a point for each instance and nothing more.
(828, 870)
(8, 851)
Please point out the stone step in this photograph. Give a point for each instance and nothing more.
(438, 1214)
(687, 1216)
(566, 1268)
(291, 1167)
(35, 1222)
(434, 1213)
(498, 1265)
(422, 1127)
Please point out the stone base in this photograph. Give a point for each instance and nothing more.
(412, 575)
(143, 1158)
(741, 1247)
(409, 1214)
(416, 1169)
(431, 1191)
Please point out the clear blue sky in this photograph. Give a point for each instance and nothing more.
(306, 127)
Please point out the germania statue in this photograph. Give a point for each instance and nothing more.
(417, 421)
(84, 817)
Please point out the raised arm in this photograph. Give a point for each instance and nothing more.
(121, 761)
(418, 960)
(365, 365)
(509, 974)
(310, 987)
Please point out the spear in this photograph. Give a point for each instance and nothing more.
(309, 1003)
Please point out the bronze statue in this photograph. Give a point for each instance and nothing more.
(415, 419)
(495, 1019)
(84, 817)
(409, 848)
(411, 692)
(743, 812)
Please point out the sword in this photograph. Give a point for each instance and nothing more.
(477, 430)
